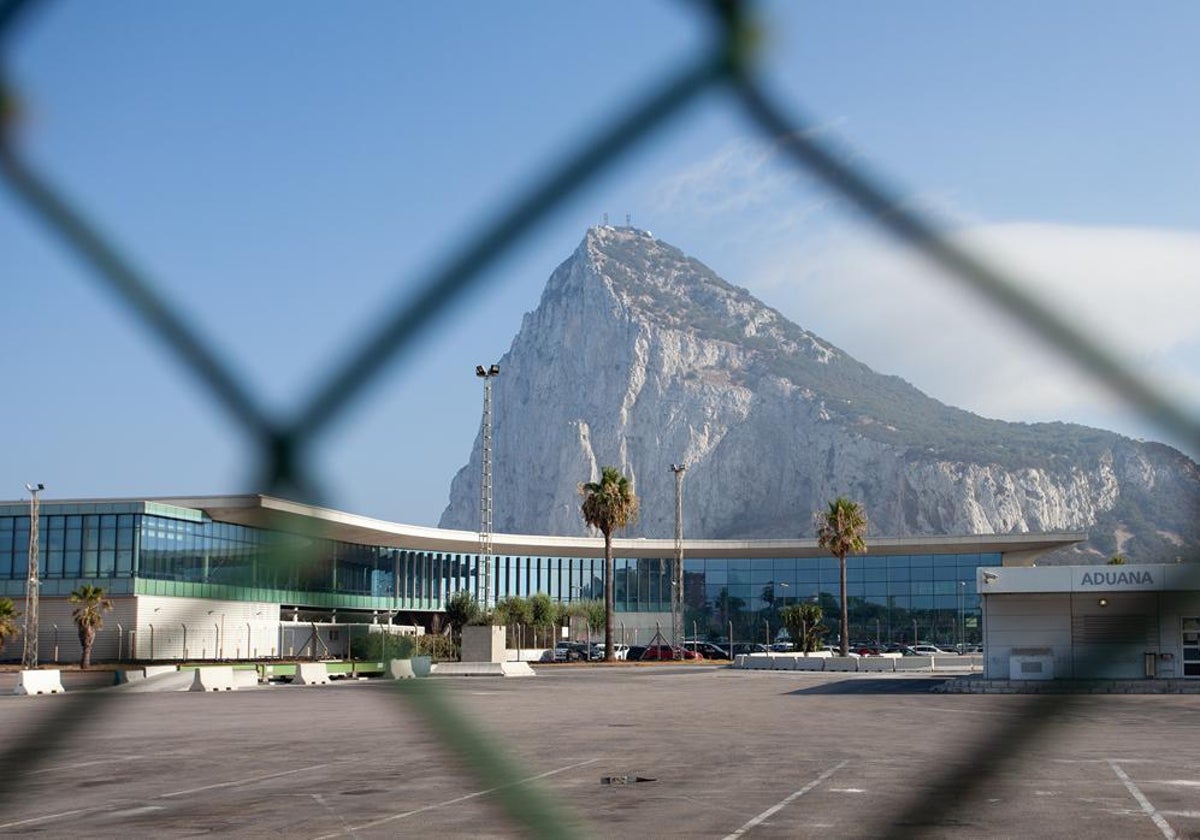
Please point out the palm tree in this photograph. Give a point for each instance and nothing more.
(8, 621)
(841, 530)
(89, 617)
(461, 609)
(608, 505)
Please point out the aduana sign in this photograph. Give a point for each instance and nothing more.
(1117, 579)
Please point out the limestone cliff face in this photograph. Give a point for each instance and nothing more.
(640, 357)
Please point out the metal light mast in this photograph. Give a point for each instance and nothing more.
(29, 655)
(677, 572)
(484, 587)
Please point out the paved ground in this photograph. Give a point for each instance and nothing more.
(757, 754)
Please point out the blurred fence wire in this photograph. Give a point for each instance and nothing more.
(725, 66)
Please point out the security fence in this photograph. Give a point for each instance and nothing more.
(284, 447)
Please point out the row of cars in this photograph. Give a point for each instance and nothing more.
(582, 652)
(692, 650)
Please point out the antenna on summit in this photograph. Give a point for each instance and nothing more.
(628, 222)
(606, 220)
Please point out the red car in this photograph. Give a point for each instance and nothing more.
(665, 653)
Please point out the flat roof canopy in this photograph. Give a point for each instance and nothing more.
(269, 512)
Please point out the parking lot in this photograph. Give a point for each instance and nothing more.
(723, 754)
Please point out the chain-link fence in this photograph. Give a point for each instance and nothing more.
(284, 447)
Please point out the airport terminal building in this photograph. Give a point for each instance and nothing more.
(249, 576)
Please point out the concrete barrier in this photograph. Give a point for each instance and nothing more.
(214, 678)
(957, 663)
(759, 661)
(739, 661)
(483, 669)
(877, 664)
(245, 678)
(39, 682)
(914, 663)
(400, 669)
(811, 663)
(841, 663)
(311, 673)
(137, 674)
(783, 662)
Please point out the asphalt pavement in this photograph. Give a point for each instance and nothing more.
(621, 752)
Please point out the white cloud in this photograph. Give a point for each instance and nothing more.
(1135, 291)
(768, 227)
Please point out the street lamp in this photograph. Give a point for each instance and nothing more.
(962, 621)
(29, 654)
(677, 572)
(485, 490)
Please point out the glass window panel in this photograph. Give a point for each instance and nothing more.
(762, 575)
(897, 574)
(946, 573)
(873, 590)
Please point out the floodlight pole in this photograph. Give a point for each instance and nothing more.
(484, 587)
(29, 655)
(677, 571)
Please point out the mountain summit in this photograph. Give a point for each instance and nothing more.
(642, 357)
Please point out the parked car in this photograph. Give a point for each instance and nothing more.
(925, 650)
(783, 647)
(620, 651)
(666, 653)
(571, 652)
(741, 648)
(707, 649)
(634, 653)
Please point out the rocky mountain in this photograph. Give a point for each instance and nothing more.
(640, 357)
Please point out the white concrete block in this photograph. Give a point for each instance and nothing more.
(841, 663)
(214, 678)
(759, 661)
(400, 669)
(877, 664)
(311, 673)
(245, 678)
(914, 663)
(811, 663)
(40, 682)
(483, 669)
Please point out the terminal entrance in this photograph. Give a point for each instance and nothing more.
(1191, 647)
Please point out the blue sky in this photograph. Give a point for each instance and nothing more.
(286, 172)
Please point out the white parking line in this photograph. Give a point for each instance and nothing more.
(454, 801)
(1158, 819)
(249, 780)
(785, 802)
(45, 818)
(60, 767)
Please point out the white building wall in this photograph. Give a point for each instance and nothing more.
(1024, 621)
(200, 629)
(1097, 621)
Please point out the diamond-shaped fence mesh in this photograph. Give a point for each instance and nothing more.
(725, 67)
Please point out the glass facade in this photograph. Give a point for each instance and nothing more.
(158, 549)
(892, 598)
